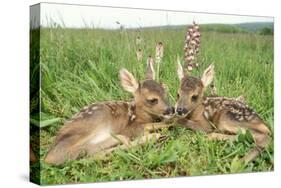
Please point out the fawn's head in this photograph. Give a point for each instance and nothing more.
(149, 95)
(191, 90)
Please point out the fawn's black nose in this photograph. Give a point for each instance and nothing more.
(169, 111)
(181, 111)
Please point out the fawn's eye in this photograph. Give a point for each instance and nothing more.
(194, 98)
(152, 101)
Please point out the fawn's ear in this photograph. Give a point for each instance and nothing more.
(128, 81)
(208, 75)
(180, 70)
(150, 73)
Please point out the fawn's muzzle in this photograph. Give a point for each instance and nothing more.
(182, 111)
(169, 111)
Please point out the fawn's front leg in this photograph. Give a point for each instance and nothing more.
(201, 125)
(140, 141)
(148, 127)
(221, 137)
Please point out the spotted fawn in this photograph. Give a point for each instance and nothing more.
(223, 118)
(100, 127)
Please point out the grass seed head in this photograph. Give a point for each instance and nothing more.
(138, 40)
(149, 60)
(213, 89)
(191, 46)
(159, 52)
(139, 54)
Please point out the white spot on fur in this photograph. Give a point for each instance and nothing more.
(94, 108)
(133, 117)
(206, 114)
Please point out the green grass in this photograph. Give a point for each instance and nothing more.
(81, 66)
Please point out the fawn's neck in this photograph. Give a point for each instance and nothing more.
(196, 112)
(142, 116)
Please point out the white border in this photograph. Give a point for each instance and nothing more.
(14, 91)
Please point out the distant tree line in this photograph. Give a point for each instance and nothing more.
(266, 31)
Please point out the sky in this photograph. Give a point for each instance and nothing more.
(76, 16)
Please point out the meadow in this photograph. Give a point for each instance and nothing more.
(80, 66)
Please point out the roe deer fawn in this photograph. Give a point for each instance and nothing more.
(222, 114)
(101, 126)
